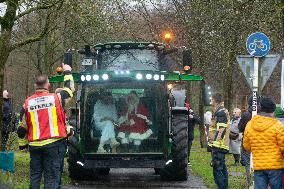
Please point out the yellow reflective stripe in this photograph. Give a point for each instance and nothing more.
(221, 125)
(68, 77)
(34, 125)
(23, 142)
(54, 121)
(69, 91)
(44, 142)
(212, 129)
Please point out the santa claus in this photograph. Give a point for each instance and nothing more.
(134, 123)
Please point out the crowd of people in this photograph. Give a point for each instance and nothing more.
(260, 137)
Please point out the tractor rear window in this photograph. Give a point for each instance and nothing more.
(131, 59)
(124, 119)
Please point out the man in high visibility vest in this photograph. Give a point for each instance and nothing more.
(219, 141)
(46, 130)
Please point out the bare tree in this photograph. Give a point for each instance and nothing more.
(15, 11)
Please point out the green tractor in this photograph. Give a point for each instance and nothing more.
(155, 136)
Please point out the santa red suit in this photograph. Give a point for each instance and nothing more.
(134, 123)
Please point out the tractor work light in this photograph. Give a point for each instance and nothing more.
(105, 76)
(168, 37)
(88, 77)
(96, 77)
(139, 76)
(122, 72)
(162, 77)
(156, 77)
(148, 76)
(83, 78)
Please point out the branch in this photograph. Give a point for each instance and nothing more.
(39, 7)
(36, 37)
(123, 17)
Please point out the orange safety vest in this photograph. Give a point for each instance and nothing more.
(45, 117)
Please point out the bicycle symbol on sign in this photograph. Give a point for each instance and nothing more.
(257, 44)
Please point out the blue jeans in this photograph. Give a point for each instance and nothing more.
(46, 160)
(264, 177)
(62, 152)
(220, 172)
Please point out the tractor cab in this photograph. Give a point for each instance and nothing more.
(127, 115)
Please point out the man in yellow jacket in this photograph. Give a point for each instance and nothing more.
(264, 137)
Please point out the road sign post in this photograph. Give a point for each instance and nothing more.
(255, 86)
(258, 45)
(282, 85)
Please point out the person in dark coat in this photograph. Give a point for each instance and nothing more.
(7, 116)
(193, 119)
(245, 118)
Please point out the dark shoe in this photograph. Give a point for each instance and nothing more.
(124, 148)
(136, 148)
(236, 164)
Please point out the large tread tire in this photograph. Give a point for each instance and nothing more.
(177, 170)
(77, 172)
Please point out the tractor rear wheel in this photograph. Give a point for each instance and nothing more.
(176, 169)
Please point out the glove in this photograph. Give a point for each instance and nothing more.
(70, 130)
(21, 131)
(132, 122)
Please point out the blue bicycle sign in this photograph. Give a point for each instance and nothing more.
(258, 44)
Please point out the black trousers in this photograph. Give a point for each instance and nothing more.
(5, 136)
(190, 138)
(47, 160)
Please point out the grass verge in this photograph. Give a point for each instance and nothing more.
(21, 178)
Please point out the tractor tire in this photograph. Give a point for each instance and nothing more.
(176, 170)
(76, 171)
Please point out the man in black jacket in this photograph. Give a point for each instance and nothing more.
(7, 116)
(193, 119)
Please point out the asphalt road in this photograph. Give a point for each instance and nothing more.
(136, 178)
